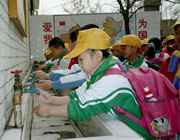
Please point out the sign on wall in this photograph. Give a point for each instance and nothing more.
(148, 24)
(43, 28)
(112, 24)
(41, 32)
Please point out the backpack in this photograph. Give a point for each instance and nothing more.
(153, 65)
(159, 118)
(158, 60)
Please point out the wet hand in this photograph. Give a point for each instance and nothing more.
(44, 84)
(41, 75)
(54, 68)
(43, 98)
(41, 111)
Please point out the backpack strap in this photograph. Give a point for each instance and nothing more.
(161, 55)
(119, 110)
(113, 71)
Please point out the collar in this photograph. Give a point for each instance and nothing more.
(89, 75)
(63, 54)
(100, 70)
(137, 63)
(157, 51)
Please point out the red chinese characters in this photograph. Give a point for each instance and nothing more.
(142, 29)
(47, 28)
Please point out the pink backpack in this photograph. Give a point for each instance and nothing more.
(158, 60)
(161, 117)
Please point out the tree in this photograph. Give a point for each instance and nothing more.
(81, 6)
(170, 9)
(129, 7)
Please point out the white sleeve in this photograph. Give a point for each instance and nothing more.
(64, 63)
(165, 56)
(73, 77)
(73, 69)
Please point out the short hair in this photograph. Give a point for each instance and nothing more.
(104, 52)
(56, 42)
(157, 42)
(74, 34)
(89, 26)
(162, 38)
(156, 46)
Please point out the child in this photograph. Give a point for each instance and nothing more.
(59, 51)
(170, 42)
(154, 45)
(132, 45)
(118, 50)
(99, 93)
(69, 78)
(45, 65)
(144, 47)
(171, 67)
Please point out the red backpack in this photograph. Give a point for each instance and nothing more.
(161, 118)
(158, 60)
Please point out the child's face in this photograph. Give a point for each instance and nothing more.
(177, 35)
(57, 52)
(171, 43)
(129, 51)
(88, 62)
(116, 52)
(144, 48)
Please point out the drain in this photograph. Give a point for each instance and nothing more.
(62, 134)
(65, 124)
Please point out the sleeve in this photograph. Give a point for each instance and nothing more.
(75, 68)
(75, 112)
(164, 70)
(69, 81)
(97, 100)
(83, 113)
(69, 84)
(55, 76)
(72, 95)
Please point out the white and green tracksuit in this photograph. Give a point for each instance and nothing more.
(101, 93)
(138, 63)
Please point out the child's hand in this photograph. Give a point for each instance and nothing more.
(43, 98)
(53, 68)
(44, 84)
(41, 75)
(41, 111)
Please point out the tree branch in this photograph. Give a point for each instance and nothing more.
(121, 5)
(142, 7)
(132, 4)
(172, 1)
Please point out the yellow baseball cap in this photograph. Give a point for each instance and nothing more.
(169, 37)
(66, 45)
(90, 39)
(48, 51)
(145, 42)
(176, 23)
(131, 40)
(117, 44)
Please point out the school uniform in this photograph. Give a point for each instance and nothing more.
(140, 62)
(49, 63)
(63, 63)
(63, 79)
(157, 54)
(101, 93)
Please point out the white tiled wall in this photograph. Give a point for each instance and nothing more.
(14, 54)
